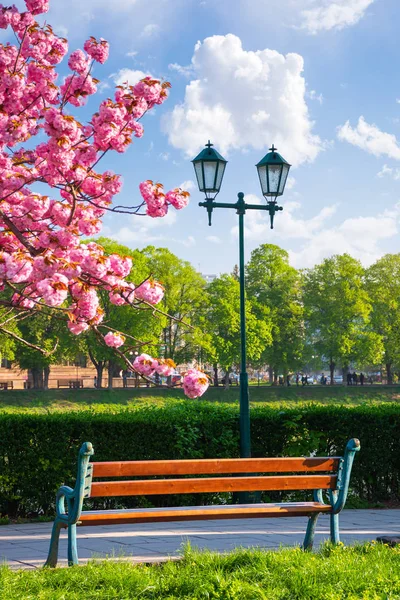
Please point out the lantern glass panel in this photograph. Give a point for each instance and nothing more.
(285, 172)
(262, 173)
(199, 174)
(220, 174)
(210, 168)
(274, 172)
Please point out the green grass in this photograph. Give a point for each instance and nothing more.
(70, 399)
(367, 572)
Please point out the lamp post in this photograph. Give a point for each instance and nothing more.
(273, 171)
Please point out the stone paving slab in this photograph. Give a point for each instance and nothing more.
(26, 546)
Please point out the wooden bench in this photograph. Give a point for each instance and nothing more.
(70, 383)
(5, 385)
(327, 474)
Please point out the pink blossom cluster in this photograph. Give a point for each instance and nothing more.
(157, 202)
(150, 291)
(114, 340)
(43, 260)
(147, 366)
(195, 383)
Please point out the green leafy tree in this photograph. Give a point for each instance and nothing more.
(184, 297)
(383, 287)
(48, 333)
(222, 322)
(143, 324)
(274, 287)
(337, 311)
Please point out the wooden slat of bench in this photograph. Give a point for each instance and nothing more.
(215, 484)
(199, 513)
(205, 466)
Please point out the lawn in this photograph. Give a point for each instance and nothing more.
(69, 399)
(369, 572)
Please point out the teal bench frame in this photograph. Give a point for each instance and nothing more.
(68, 519)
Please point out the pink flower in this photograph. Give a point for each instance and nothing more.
(36, 7)
(53, 290)
(114, 340)
(150, 291)
(79, 62)
(165, 367)
(178, 198)
(77, 328)
(144, 364)
(195, 383)
(98, 50)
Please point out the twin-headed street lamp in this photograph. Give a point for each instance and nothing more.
(273, 171)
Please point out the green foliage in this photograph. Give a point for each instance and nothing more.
(337, 310)
(370, 572)
(222, 320)
(383, 285)
(38, 452)
(275, 288)
(183, 299)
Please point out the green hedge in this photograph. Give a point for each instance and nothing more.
(38, 452)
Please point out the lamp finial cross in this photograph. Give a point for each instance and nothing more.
(209, 144)
(273, 149)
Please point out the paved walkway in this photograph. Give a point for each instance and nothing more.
(26, 546)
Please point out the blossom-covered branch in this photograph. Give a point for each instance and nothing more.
(43, 260)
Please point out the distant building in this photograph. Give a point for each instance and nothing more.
(209, 278)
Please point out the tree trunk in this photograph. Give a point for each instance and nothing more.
(332, 370)
(270, 375)
(275, 381)
(37, 377)
(226, 379)
(110, 374)
(216, 382)
(46, 378)
(389, 374)
(345, 371)
(99, 370)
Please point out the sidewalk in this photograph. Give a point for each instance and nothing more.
(25, 546)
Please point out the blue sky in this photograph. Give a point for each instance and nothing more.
(316, 77)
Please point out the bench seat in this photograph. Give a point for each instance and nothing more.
(199, 513)
(326, 478)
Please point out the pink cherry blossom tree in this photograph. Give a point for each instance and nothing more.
(53, 193)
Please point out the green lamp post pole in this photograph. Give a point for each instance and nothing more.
(272, 170)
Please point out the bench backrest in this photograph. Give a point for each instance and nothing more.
(246, 474)
(251, 476)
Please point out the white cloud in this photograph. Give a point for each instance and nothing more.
(290, 183)
(333, 14)
(130, 76)
(314, 96)
(319, 239)
(188, 185)
(185, 71)
(214, 239)
(143, 230)
(228, 78)
(390, 172)
(132, 54)
(150, 30)
(370, 138)
(164, 155)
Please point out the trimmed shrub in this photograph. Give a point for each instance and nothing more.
(38, 452)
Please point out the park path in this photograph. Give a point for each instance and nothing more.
(25, 546)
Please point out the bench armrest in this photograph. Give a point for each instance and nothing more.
(338, 497)
(74, 497)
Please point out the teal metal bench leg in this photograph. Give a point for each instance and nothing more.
(53, 550)
(72, 548)
(309, 538)
(335, 537)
